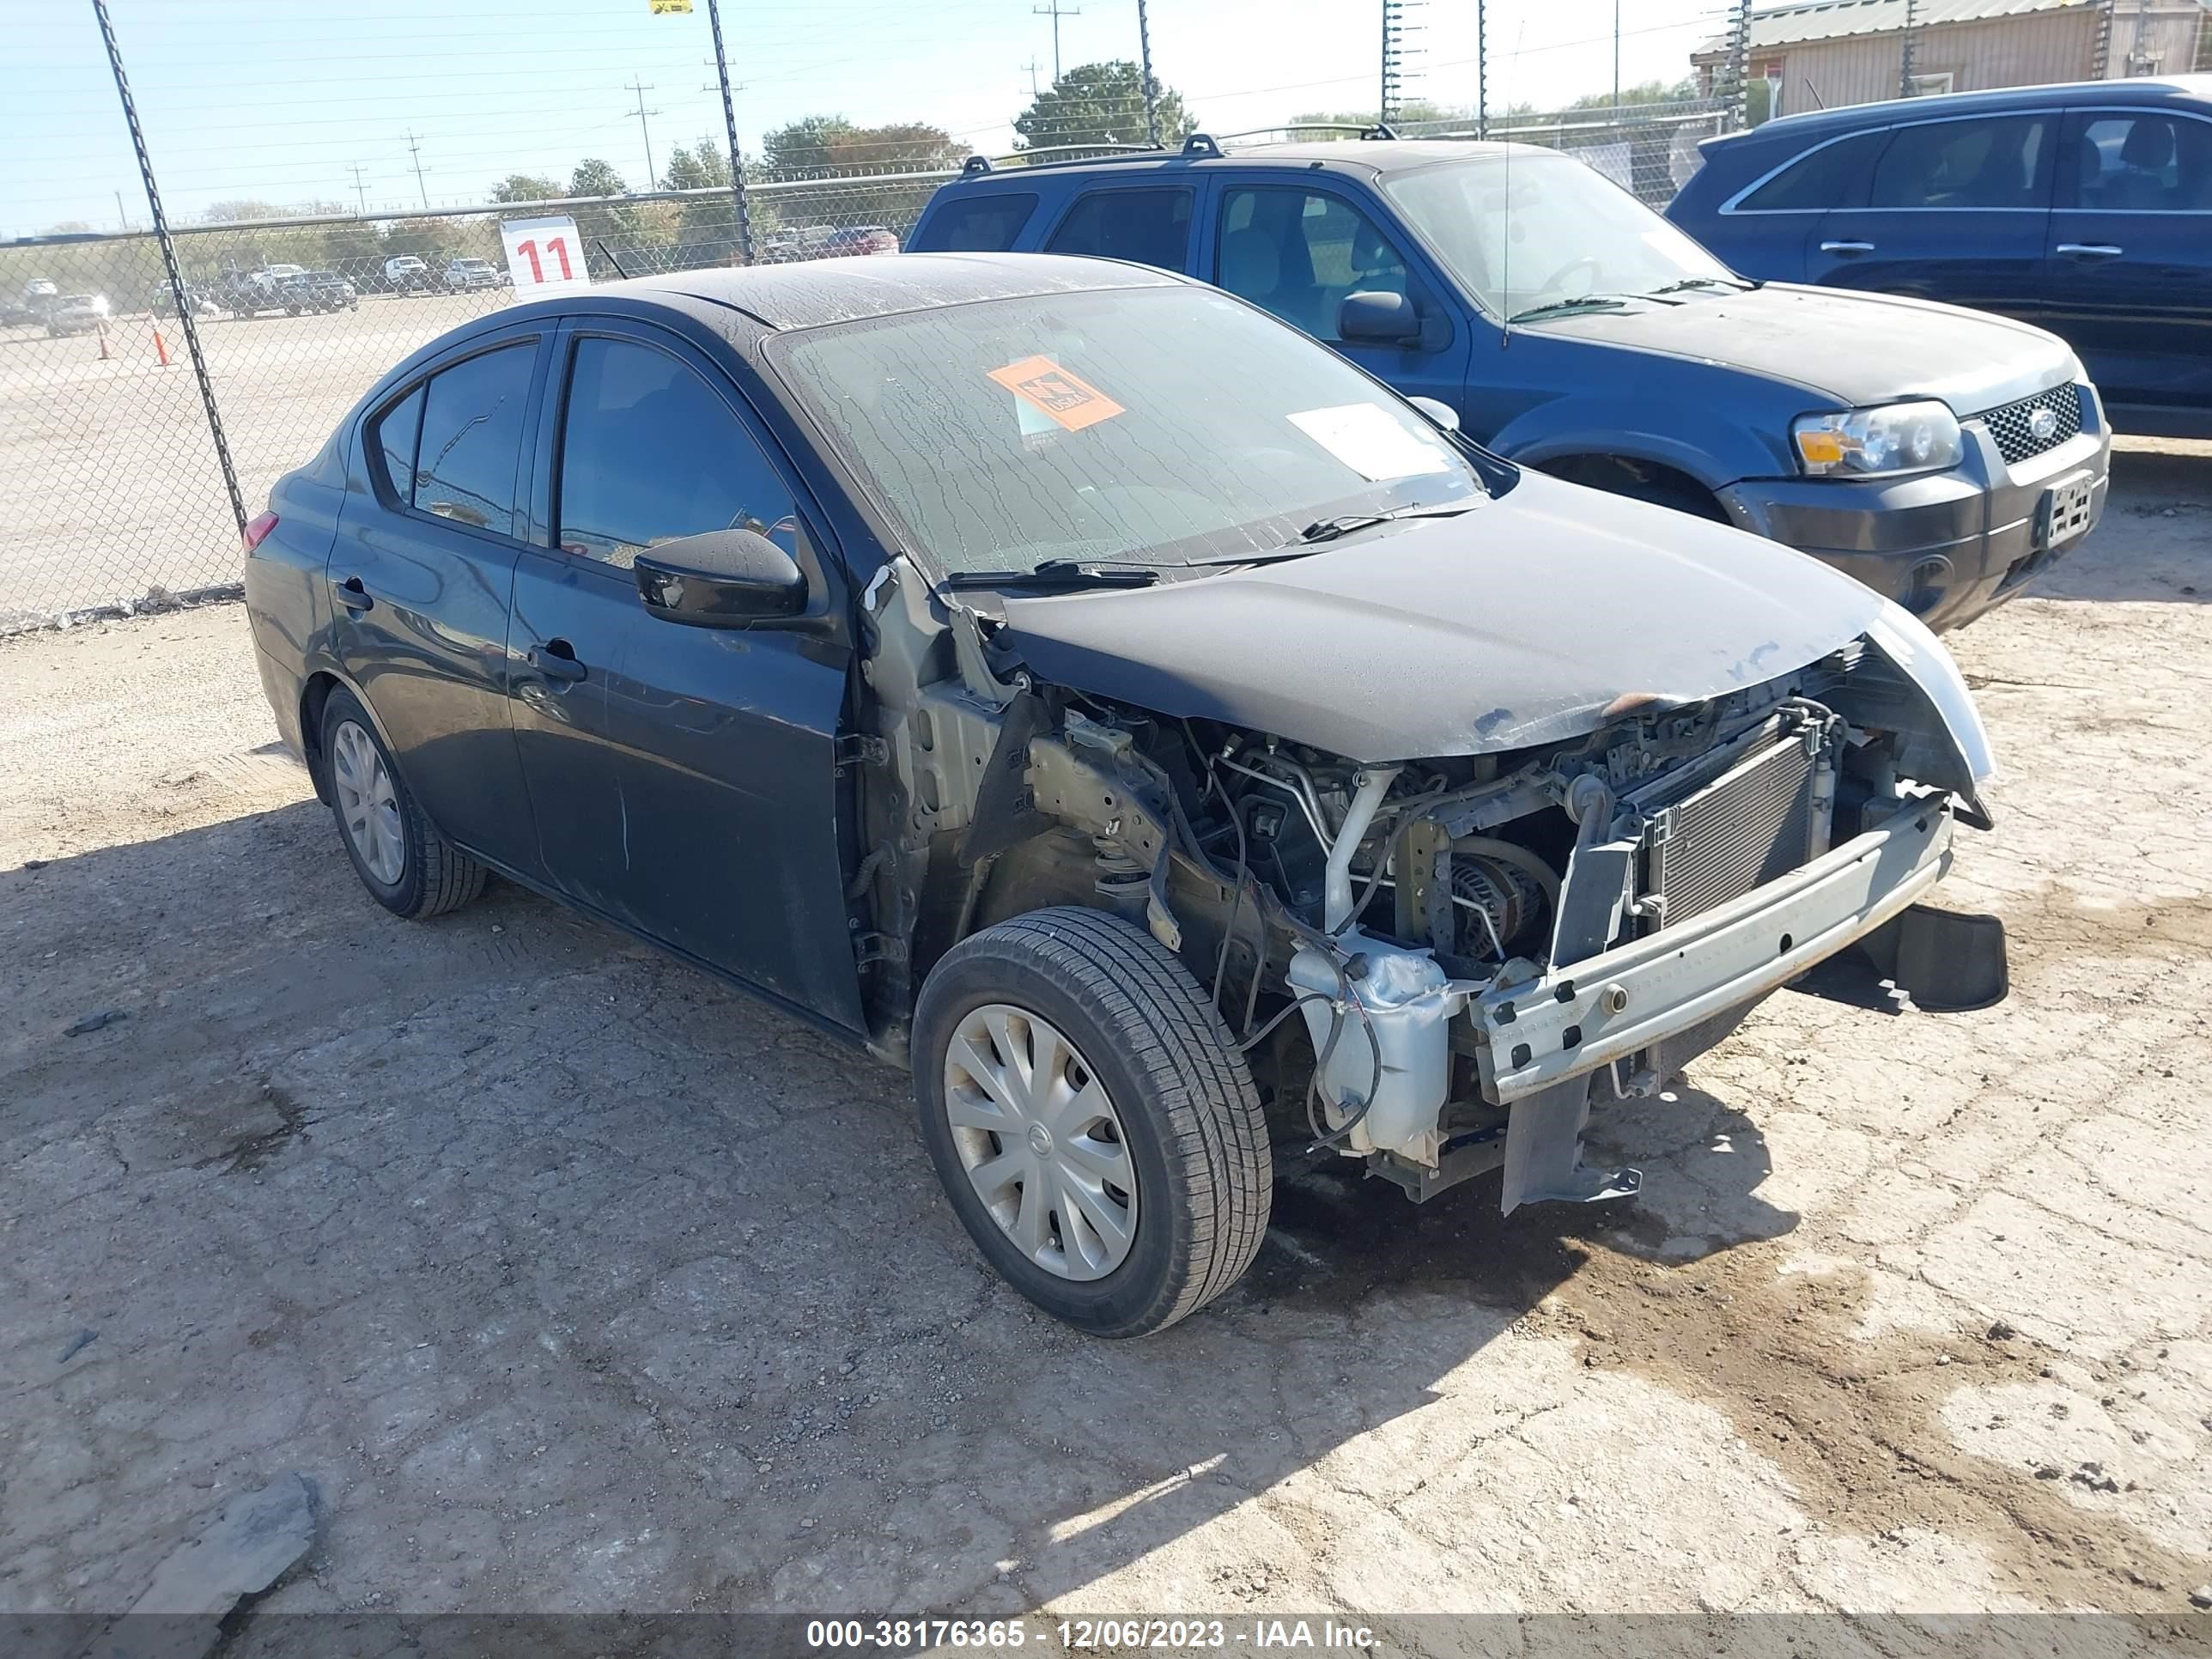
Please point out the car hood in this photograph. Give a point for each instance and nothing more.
(1529, 620)
(1854, 350)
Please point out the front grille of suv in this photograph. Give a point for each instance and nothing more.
(2016, 439)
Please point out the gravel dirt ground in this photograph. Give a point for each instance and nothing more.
(573, 1280)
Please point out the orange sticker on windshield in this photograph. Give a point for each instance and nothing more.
(1054, 392)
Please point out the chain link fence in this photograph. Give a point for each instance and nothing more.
(111, 498)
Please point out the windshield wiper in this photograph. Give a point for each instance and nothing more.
(1698, 281)
(1328, 530)
(1057, 573)
(1572, 308)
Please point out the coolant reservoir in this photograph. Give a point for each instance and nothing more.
(1410, 1002)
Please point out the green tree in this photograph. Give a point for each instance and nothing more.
(1643, 92)
(525, 187)
(231, 213)
(1100, 104)
(706, 167)
(818, 145)
(594, 177)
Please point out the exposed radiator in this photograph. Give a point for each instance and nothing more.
(1753, 823)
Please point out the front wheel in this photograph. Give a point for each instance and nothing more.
(1094, 1125)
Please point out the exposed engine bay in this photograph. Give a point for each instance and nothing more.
(1434, 965)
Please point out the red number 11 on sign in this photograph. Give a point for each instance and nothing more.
(556, 248)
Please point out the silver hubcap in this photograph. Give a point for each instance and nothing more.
(1040, 1142)
(367, 803)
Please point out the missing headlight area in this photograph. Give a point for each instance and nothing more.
(1436, 965)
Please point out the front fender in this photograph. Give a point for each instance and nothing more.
(1716, 457)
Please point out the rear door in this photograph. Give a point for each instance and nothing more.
(1297, 249)
(2130, 267)
(684, 779)
(1148, 223)
(420, 589)
(1955, 211)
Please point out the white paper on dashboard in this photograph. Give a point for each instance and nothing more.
(1365, 438)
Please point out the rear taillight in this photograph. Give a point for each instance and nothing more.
(257, 532)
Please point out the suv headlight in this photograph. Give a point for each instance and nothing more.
(1895, 438)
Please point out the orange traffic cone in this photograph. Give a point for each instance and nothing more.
(103, 343)
(160, 349)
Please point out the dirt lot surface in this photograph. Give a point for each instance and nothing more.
(575, 1281)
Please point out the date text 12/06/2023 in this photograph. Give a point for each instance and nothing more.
(1259, 1635)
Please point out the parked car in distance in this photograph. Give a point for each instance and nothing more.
(406, 274)
(332, 291)
(860, 240)
(268, 288)
(2083, 209)
(1943, 459)
(76, 314)
(472, 273)
(162, 302)
(806, 242)
(1034, 670)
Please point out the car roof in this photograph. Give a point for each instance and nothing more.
(815, 292)
(1373, 156)
(1814, 123)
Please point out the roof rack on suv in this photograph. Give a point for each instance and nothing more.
(1209, 143)
(1063, 155)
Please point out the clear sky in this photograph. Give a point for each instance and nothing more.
(278, 101)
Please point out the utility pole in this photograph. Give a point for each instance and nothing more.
(121, 217)
(1033, 66)
(415, 149)
(1152, 89)
(641, 88)
(730, 125)
(1616, 58)
(359, 194)
(1057, 11)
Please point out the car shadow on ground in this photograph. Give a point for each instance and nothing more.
(601, 1285)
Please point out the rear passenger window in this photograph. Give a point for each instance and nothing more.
(1832, 176)
(393, 444)
(1152, 227)
(1997, 163)
(975, 224)
(2142, 164)
(649, 453)
(472, 440)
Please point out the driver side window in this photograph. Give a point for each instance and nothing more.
(1298, 253)
(649, 453)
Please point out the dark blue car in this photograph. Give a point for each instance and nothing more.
(1943, 457)
(2083, 209)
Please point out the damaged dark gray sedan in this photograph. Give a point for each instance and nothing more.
(1079, 688)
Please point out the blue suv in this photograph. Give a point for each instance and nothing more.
(1941, 457)
(2086, 209)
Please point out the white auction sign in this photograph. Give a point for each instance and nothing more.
(543, 256)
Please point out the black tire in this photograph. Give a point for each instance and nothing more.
(1190, 1115)
(434, 876)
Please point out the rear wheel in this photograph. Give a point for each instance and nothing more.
(1094, 1125)
(406, 864)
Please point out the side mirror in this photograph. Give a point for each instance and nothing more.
(1377, 318)
(1445, 416)
(722, 579)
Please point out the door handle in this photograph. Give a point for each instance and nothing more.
(1847, 248)
(2089, 250)
(353, 596)
(556, 660)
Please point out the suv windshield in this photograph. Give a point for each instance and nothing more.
(1542, 228)
(1168, 426)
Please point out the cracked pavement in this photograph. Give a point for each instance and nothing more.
(575, 1281)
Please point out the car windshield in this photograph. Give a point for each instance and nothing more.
(1542, 228)
(1161, 425)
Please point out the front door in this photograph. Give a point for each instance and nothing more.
(2130, 266)
(684, 779)
(420, 589)
(1297, 251)
(1955, 211)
